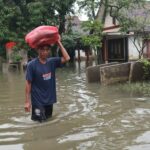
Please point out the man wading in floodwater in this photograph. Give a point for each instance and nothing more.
(40, 82)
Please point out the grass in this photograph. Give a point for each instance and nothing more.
(140, 88)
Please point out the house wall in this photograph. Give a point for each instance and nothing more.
(76, 24)
(82, 53)
(109, 21)
(146, 51)
(23, 54)
(8, 55)
(115, 73)
(132, 50)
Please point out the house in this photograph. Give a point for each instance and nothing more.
(75, 24)
(123, 47)
(15, 59)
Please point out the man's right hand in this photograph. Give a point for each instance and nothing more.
(27, 106)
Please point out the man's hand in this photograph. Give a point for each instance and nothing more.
(59, 41)
(65, 56)
(27, 106)
(59, 37)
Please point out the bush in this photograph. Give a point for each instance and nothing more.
(146, 68)
(16, 57)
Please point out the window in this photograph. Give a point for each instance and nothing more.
(116, 49)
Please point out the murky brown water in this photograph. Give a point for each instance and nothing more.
(86, 117)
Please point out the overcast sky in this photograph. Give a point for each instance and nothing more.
(81, 15)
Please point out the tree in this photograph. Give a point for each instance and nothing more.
(69, 41)
(137, 21)
(90, 6)
(93, 40)
(18, 17)
(98, 9)
(63, 8)
(96, 12)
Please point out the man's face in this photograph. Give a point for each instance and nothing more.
(43, 52)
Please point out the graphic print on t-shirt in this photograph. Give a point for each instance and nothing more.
(46, 76)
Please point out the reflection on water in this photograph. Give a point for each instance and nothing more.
(12, 147)
(86, 117)
(85, 134)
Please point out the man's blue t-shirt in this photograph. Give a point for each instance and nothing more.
(42, 78)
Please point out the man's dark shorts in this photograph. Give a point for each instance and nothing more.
(41, 113)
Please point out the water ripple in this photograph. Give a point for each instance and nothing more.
(12, 147)
(82, 135)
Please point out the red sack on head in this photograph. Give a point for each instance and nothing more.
(42, 35)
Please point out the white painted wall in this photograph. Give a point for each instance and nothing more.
(133, 53)
(132, 50)
(82, 53)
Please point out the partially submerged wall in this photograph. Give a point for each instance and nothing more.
(115, 73)
(136, 72)
(93, 72)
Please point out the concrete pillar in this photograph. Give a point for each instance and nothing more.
(136, 72)
(8, 55)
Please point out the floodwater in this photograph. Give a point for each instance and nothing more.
(86, 117)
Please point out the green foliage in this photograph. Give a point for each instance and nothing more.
(93, 39)
(131, 20)
(70, 40)
(126, 24)
(90, 6)
(2, 48)
(16, 57)
(63, 7)
(146, 68)
(32, 54)
(125, 3)
(70, 43)
(94, 7)
(18, 17)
